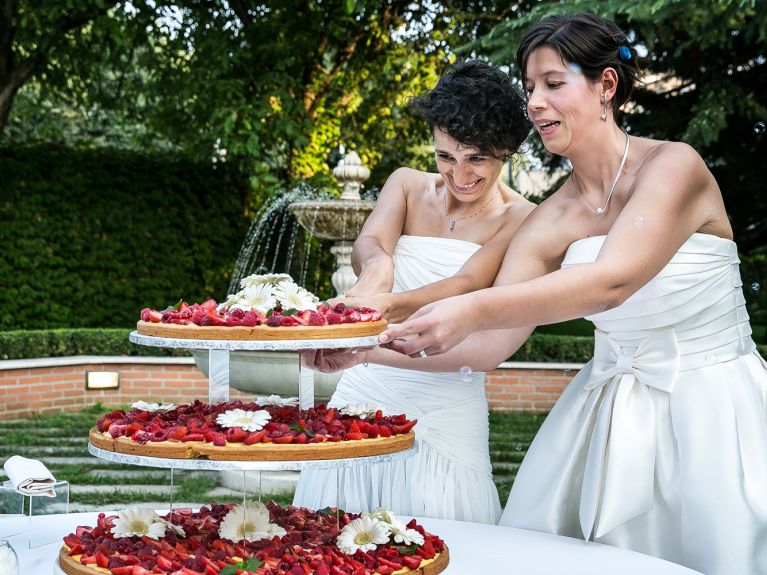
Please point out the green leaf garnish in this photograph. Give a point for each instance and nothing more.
(250, 564)
(178, 305)
(409, 550)
(298, 428)
(291, 311)
(330, 511)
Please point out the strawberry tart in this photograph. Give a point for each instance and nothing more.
(268, 307)
(252, 539)
(269, 429)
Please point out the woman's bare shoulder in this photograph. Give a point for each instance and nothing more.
(674, 164)
(517, 207)
(410, 178)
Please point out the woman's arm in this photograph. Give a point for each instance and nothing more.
(478, 272)
(481, 351)
(372, 254)
(671, 200)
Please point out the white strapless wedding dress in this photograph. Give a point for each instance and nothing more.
(660, 443)
(450, 477)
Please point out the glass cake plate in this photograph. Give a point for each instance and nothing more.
(216, 465)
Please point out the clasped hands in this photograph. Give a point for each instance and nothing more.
(432, 330)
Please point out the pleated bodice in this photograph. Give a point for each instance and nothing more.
(698, 293)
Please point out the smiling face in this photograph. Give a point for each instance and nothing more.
(469, 174)
(563, 105)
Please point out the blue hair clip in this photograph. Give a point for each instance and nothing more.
(624, 53)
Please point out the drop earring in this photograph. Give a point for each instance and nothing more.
(603, 117)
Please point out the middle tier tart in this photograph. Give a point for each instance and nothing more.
(270, 429)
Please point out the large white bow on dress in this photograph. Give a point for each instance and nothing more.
(618, 480)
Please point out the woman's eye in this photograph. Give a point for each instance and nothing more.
(477, 159)
(555, 85)
(444, 157)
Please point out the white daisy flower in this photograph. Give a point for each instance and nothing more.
(231, 300)
(138, 522)
(247, 420)
(402, 534)
(276, 400)
(172, 527)
(249, 522)
(270, 279)
(255, 297)
(293, 296)
(363, 410)
(143, 405)
(274, 530)
(364, 533)
(382, 514)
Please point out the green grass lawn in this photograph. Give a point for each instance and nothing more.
(60, 441)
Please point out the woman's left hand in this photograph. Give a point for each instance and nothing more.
(433, 329)
(333, 360)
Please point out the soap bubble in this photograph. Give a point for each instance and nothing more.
(755, 286)
(466, 373)
(518, 447)
(759, 128)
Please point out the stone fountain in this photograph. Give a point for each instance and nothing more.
(340, 220)
(269, 372)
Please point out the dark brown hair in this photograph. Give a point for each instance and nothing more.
(478, 105)
(589, 41)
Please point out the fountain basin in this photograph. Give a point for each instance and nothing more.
(269, 372)
(339, 220)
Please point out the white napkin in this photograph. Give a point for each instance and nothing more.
(29, 476)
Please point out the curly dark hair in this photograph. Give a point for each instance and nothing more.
(590, 41)
(477, 105)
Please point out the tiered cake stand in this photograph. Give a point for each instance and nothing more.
(218, 392)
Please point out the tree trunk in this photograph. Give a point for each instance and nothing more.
(11, 83)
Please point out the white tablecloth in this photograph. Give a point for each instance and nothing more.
(474, 549)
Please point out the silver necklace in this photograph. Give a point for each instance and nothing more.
(452, 221)
(600, 211)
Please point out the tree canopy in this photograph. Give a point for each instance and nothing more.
(278, 85)
(705, 83)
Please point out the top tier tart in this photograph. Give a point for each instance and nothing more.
(268, 307)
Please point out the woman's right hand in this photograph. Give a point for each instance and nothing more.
(333, 360)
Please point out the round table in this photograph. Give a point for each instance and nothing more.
(474, 548)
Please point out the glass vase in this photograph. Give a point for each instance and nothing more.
(9, 561)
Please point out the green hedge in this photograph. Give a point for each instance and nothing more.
(89, 237)
(26, 344)
(555, 348)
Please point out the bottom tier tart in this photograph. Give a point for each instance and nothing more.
(252, 539)
(268, 429)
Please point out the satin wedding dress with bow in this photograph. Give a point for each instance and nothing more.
(659, 444)
(450, 477)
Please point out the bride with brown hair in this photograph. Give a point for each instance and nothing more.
(660, 443)
(432, 235)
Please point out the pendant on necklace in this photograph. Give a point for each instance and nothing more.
(599, 210)
(450, 224)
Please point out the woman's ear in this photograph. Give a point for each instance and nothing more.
(608, 83)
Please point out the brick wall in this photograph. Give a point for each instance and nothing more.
(58, 384)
